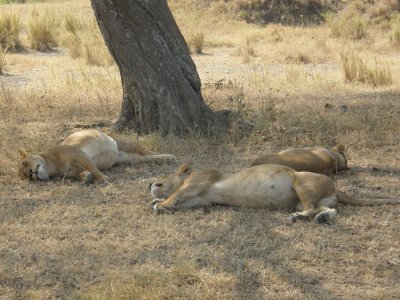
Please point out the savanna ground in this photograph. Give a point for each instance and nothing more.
(66, 240)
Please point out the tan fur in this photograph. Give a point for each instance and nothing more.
(264, 186)
(83, 154)
(311, 159)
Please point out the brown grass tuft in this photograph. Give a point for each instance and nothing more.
(10, 31)
(247, 51)
(196, 42)
(42, 31)
(3, 52)
(351, 27)
(357, 69)
(84, 40)
(71, 23)
(73, 43)
(395, 36)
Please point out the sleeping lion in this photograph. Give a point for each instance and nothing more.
(312, 159)
(314, 196)
(83, 154)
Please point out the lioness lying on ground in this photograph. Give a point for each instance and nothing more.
(265, 186)
(311, 159)
(83, 154)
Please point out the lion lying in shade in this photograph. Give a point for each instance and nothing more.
(83, 154)
(312, 159)
(313, 195)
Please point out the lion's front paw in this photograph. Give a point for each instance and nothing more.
(155, 201)
(159, 206)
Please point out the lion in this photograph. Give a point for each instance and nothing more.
(312, 195)
(312, 159)
(83, 154)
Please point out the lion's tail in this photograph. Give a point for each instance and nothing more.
(345, 199)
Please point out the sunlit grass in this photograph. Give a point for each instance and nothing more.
(357, 69)
(10, 31)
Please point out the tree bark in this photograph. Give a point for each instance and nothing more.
(161, 87)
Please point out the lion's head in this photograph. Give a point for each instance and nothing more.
(166, 185)
(32, 167)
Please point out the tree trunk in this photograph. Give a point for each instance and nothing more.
(161, 87)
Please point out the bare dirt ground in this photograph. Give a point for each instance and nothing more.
(63, 240)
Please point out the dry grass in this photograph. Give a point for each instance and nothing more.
(395, 36)
(3, 52)
(83, 40)
(357, 69)
(66, 240)
(196, 42)
(354, 27)
(42, 31)
(72, 24)
(10, 31)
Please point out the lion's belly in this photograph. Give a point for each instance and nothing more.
(264, 188)
(99, 147)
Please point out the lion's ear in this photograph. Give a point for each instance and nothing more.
(185, 169)
(23, 153)
(339, 148)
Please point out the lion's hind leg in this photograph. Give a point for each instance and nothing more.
(125, 158)
(131, 147)
(317, 196)
(130, 153)
(91, 172)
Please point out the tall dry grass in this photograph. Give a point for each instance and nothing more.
(3, 52)
(357, 69)
(351, 27)
(196, 42)
(42, 30)
(72, 24)
(395, 36)
(83, 40)
(10, 31)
